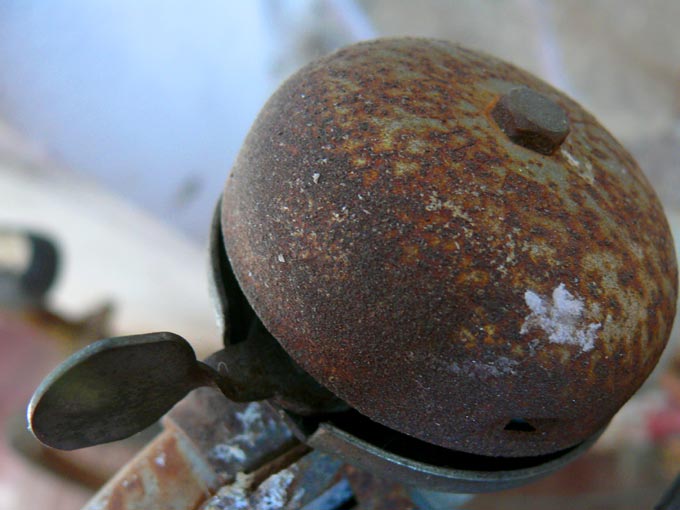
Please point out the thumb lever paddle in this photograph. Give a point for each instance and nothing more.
(115, 388)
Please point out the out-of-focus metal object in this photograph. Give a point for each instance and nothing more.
(432, 265)
(32, 337)
(671, 500)
(29, 263)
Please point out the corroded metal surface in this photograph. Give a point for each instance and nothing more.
(457, 473)
(441, 279)
(233, 437)
(314, 482)
(168, 473)
(207, 442)
(215, 454)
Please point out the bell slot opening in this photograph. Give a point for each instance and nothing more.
(519, 425)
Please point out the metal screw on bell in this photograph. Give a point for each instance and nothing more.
(531, 120)
(419, 297)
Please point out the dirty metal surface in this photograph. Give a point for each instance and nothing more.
(253, 362)
(293, 487)
(314, 482)
(216, 454)
(234, 437)
(461, 474)
(208, 440)
(375, 493)
(258, 368)
(169, 473)
(439, 278)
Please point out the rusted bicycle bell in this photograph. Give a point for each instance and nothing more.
(442, 268)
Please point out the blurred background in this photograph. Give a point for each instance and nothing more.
(119, 121)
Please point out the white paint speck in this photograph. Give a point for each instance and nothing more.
(315, 177)
(251, 416)
(485, 370)
(562, 319)
(280, 257)
(233, 497)
(435, 203)
(583, 168)
(128, 481)
(228, 453)
(570, 159)
(159, 460)
(272, 494)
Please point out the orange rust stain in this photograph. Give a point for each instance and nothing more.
(117, 500)
(432, 219)
(489, 107)
(384, 144)
(410, 253)
(292, 150)
(160, 477)
(168, 462)
(489, 340)
(432, 240)
(451, 245)
(391, 234)
(406, 167)
(403, 216)
(473, 277)
(371, 177)
(131, 488)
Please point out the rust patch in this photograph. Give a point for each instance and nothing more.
(161, 476)
(438, 277)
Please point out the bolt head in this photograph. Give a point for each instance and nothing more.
(531, 120)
